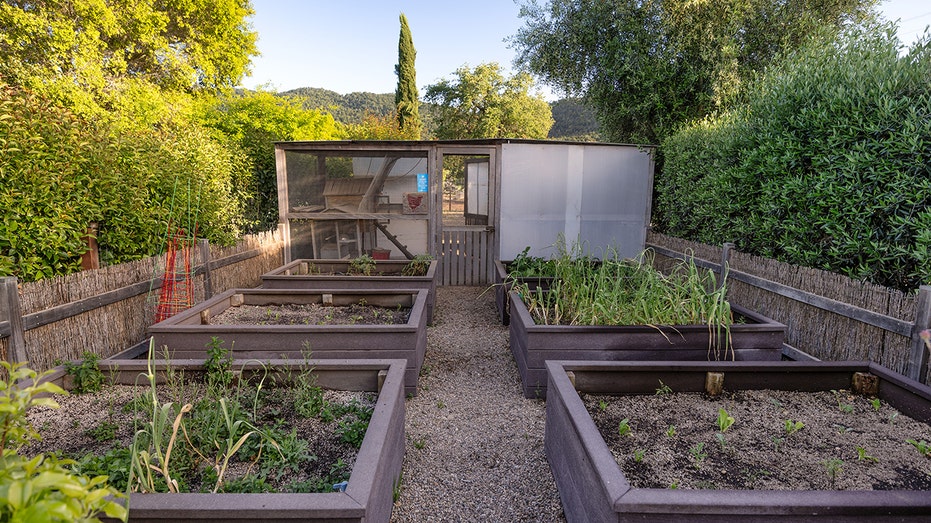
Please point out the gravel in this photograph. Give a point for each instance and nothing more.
(474, 443)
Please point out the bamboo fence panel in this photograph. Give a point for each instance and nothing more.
(821, 333)
(108, 329)
(247, 273)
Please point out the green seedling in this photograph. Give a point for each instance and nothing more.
(841, 429)
(846, 408)
(721, 441)
(603, 405)
(725, 420)
(875, 403)
(793, 426)
(663, 389)
(777, 442)
(697, 452)
(863, 456)
(923, 447)
(833, 467)
(638, 455)
(671, 431)
(623, 428)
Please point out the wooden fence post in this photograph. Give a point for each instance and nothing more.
(725, 261)
(204, 246)
(11, 310)
(918, 360)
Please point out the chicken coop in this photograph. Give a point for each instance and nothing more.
(464, 202)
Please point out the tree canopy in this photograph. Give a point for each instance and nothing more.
(646, 66)
(80, 45)
(483, 103)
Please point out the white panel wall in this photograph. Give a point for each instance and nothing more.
(597, 194)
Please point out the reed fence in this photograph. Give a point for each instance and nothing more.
(107, 310)
(829, 316)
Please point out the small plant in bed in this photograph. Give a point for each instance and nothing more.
(616, 291)
(229, 432)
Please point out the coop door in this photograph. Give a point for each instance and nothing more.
(476, 191)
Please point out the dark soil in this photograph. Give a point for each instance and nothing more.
(312, 314)
(845, 443)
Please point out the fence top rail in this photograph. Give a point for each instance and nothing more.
(882, 321)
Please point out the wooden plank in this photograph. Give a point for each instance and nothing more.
(901, 327)
(445, 257)
(467, 258)
(460, 259)
(204, 246)
(918, 359)
(11, 312)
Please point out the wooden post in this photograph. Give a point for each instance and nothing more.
(918, 360)
(11, 311)
(725, 262)
(204, 246)
(91, 258)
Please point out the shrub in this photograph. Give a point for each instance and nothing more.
(826, 166)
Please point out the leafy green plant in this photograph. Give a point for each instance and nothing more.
(922, 446)
(42, 488)
(863, 456)
(623, 428)
(418, 266)
(793, 426)
(602, 405)
(638, 455)
(663, 389)
(671, 431)
(363, 265)
(846, 408)
(616, 291)
(86, 375)
(876, 404)
(218, 366)
(725, 420)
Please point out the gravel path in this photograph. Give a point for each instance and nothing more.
(474, 444)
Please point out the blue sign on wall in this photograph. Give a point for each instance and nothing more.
(422, 183)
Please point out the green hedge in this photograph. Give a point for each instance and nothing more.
(59, 172)
(828, 164)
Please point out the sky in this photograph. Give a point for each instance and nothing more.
(352, 45)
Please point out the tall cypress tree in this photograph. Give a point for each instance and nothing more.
(405, 98)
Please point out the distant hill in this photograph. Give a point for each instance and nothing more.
(345, 108)
(573, 121)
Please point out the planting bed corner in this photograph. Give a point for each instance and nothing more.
(593, 487)
(503, 287)
(187, 334)
(333, 274)
(758, 338)
(369, 495)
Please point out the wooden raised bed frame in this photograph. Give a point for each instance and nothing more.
(186, 337)
(369, 495)
(760, 339)
(593, 487)
(297, 275)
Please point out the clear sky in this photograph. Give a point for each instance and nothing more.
(352, 45)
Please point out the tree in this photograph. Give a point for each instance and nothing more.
(406, 97)
(481, 103)
(80, 45)
(646, 66)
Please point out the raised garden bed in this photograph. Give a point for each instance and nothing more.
(504, 285)
(369, 492)
(336, 274)
(593, 487)
(187, 334)
(756, 338)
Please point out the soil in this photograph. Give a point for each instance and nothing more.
(69, 432)
(757, 451)
(312, 314)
